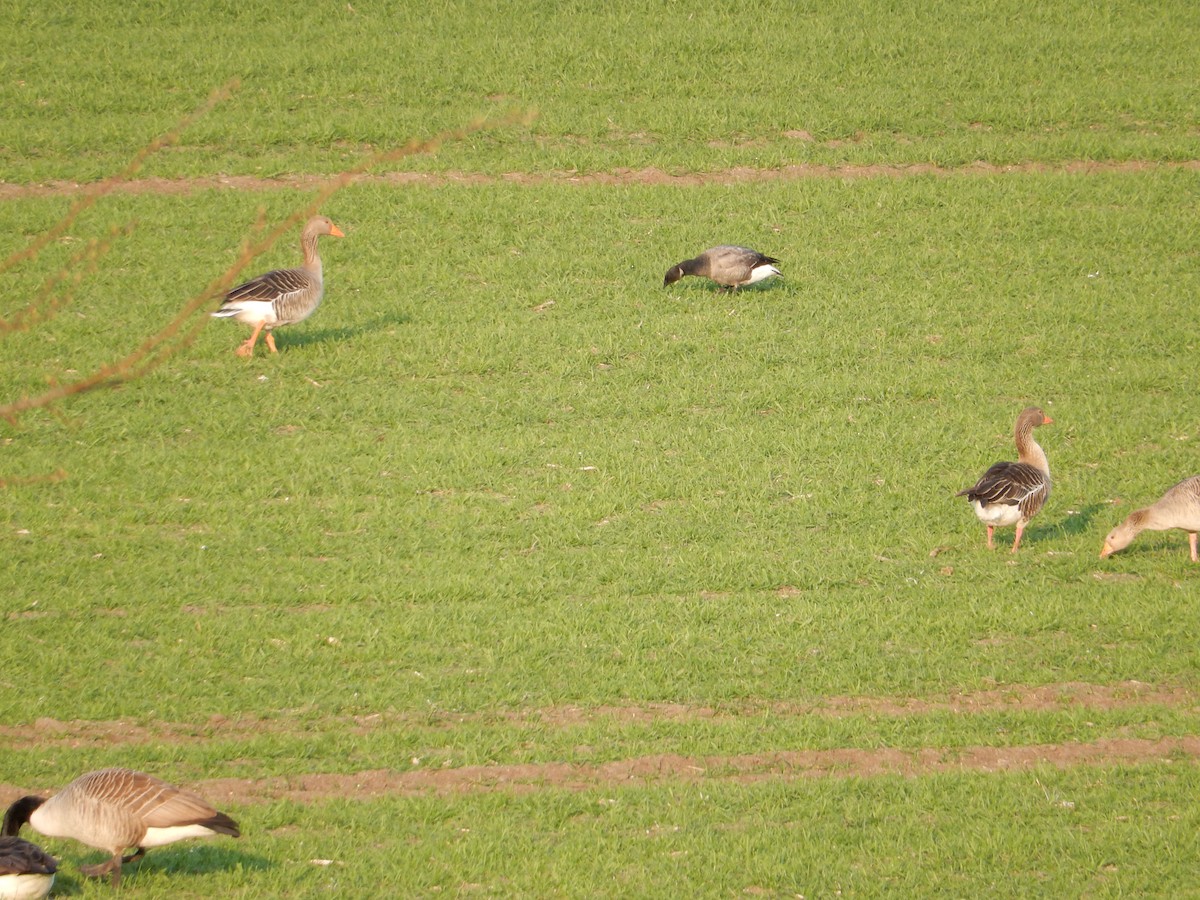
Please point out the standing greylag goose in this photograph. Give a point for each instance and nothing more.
(26, 870)
(1179, 507)
(116, 809)
(284, 296)
(729, 266)
(1011, 493)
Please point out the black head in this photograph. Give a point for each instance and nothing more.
(673, 275)
(18, 814)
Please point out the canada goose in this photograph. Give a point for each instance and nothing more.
(26, 870)
(729, 266)
(281, 297)
(116, 809)
(1011, 493)
(1179, 507)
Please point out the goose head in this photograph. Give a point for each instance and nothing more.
(18, 814)
(1122, 536)
(319, 225)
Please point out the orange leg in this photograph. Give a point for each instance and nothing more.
(1192, 544)
(1017, 539)
(247, 348)
(271, 341)
(991, 530)
(112, 868)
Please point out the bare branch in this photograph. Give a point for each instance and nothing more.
(174, 335)
(106, 185)
(46, 303)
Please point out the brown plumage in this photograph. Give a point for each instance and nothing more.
(727, 265)
(1179, 507)
(118, 809)
(1012, 493)
(284, 296)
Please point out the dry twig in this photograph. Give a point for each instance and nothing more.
(174, 335)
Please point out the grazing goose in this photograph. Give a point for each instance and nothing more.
(731, 267)
(26, 870)
(1011, 493)
(115, 809)
(282, 297)
(1179, 507)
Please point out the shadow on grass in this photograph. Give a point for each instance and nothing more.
(707, 286)
(309, 336)
(1081, 523)
(201, 859)
(180, 863)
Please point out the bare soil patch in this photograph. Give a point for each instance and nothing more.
(76, 734)
(740, 174)
(1023, 698)
(747, 768)
(523, 778)
(645, 771)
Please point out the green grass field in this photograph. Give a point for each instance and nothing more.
(517, 574)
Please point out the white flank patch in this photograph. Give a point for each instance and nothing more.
(160, 837)
(761, 271)
(25, 887)
(251, 312)
(1000, 515)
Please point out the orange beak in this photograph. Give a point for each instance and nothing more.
(1106, 551)
(1046, 420)
(336, 232)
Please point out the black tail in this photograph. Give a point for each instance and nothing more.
(222, 824)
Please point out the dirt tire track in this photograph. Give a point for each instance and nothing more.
(47, 732)
(786, 765)
(621, 176)
(645, 771)
(648, 771)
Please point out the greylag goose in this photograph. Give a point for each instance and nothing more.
(116, 809)
(1179, 507)
(281, 297)
(26, 870)
(1011, 493)
(729, 266)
